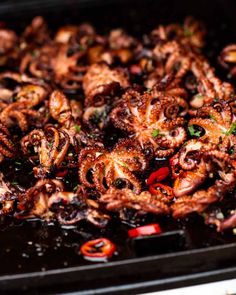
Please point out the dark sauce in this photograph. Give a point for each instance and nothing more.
(48, 245)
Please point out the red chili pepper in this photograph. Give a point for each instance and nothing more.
(156, 188)
(145, 230)
(158, 175)
(62, 173)
(98, 250)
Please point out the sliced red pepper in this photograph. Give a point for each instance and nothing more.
(158, 175)
(62, 173)
(157, 188)
(146, 230)
(98, 250)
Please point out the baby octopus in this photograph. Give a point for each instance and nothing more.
(71, 208)
(22, 111)
(7, 146)
(50, 144)
(152, 121)
(214, 164)
(101, 81)
(217, 121)
(65, 112)
(121, 199)
(115, 168)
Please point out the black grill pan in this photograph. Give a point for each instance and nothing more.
(37, 258)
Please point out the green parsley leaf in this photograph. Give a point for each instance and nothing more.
(155, 132)
(212, 117)
(125, 165)
(76, 187)
(188, 33)
(193, 132)
(77, 128)
(231, 130)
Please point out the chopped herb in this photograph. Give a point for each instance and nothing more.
(50, 144)
(204, 215)
(77, 128)
(76, 187)
(91, 135)
(34, 53)
(199, 96)
(188, 33)
(198, 50)
(116, 182)
(90, 41)
(14, 183)
(231, 151)
(125, 165)
(212, 117)
(31, 172)
(17, 163)
(149, 90)
(193, 132)
(81, 47)
(96, 117)
(155, 132)
(231, 130)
